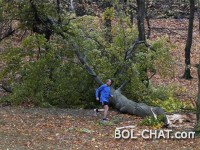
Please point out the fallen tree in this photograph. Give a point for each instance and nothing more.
(124, 105)
(121, 102)
(43, 24)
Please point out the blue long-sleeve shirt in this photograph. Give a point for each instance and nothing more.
(104, 92)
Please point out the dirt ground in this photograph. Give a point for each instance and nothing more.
(69, 129)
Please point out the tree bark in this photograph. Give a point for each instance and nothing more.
(108, 23)
(6, 88)
(188, 46)
(8, 33)
(140, 19)
(41, 25)
(80, 8)
(125, 105)
(87, 67)
(148, 20)
(141, 35)
(58, 11)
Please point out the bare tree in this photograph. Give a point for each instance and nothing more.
(140, 19)
(108, 22)
(188, 46)
(141, 13)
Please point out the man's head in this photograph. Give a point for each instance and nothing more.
(108, 82)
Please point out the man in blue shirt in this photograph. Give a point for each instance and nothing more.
(104, 92)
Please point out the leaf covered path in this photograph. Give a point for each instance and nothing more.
(63, 129)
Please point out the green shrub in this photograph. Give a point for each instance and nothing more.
(153, 122)
(51, 75)
(160, 92)
(166, 97)
(169, 105)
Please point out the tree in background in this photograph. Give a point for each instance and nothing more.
(107, 15)
(140, 19)
(187, 74)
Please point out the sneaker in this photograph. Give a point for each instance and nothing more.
(104, 120)
(96, 112)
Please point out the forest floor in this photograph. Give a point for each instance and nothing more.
(68, 129)
(176, 32)
(39, 128)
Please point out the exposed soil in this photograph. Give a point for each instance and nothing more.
(58, 129)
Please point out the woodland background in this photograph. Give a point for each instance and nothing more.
(54, 52)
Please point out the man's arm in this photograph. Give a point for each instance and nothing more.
(99, 90)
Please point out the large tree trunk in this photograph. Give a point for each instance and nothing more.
(141, 10)
(197, 128)
(79, 8)
(187, 74)
(140, 19)
(124, 105)
(108, 23)
(148, 20)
